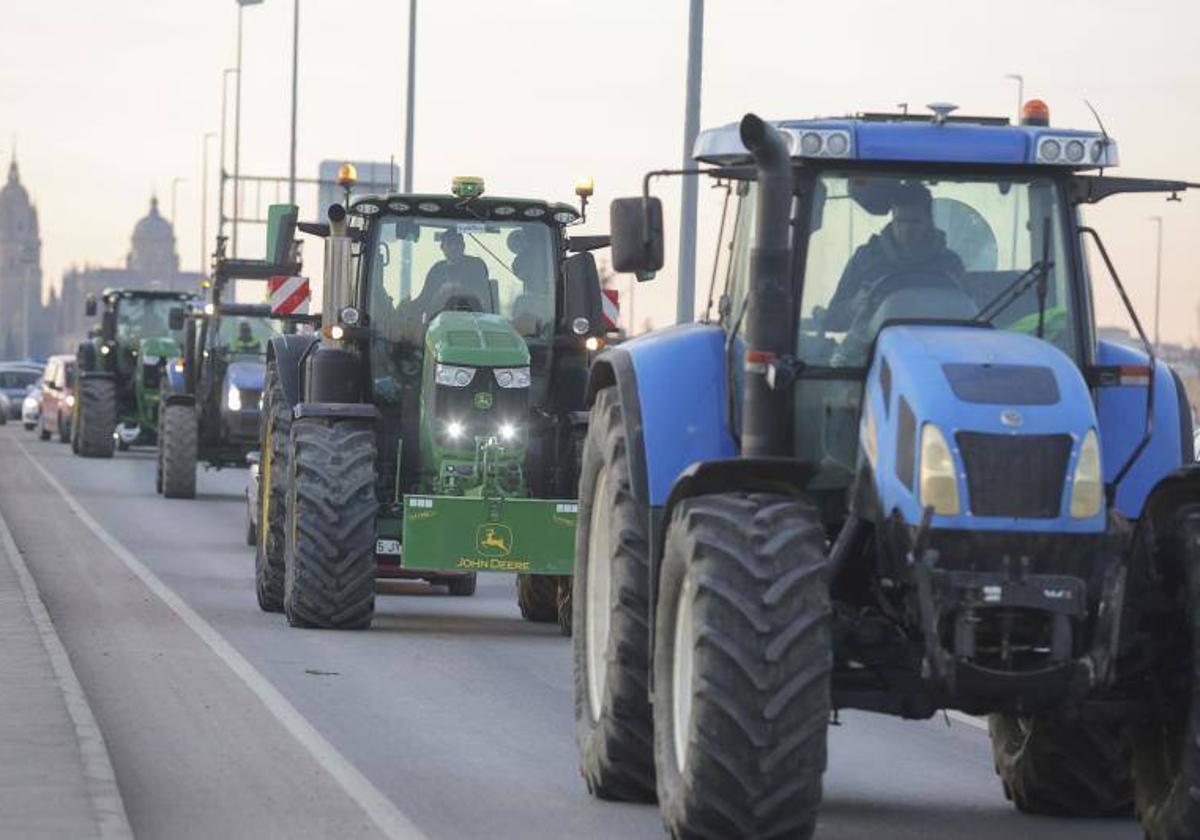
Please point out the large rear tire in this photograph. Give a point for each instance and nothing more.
(97, 417)
(1166, 742)
(611, 611)
(743, 657)
(177, 442)
(274, 430)
(1057, 766)
(537, 597)
(329, 559)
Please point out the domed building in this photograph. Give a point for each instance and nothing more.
(21, 312)
(153, 253)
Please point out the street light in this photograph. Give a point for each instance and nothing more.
(237, 122)
(409, 103)
(221, 188)
(685, 300)
(1157, 279)
(295, 67)
(208, 135)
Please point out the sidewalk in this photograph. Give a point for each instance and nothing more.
(55, 776)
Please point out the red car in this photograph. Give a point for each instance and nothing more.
(58, 398)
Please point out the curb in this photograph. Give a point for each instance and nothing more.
(101, 781)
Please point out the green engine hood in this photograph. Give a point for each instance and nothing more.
(475, 339)
(162, 347)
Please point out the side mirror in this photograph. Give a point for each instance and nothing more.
(89, 306)
(581, 296)
(637, 235)
(175, 318)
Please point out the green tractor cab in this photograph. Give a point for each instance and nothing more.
(120, 367)
(433, 429)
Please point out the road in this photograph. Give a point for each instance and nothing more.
(450, 718)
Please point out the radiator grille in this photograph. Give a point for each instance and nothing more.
(1015, 475)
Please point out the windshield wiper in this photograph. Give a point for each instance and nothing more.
(1036, 273)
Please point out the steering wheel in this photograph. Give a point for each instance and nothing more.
(859, 335)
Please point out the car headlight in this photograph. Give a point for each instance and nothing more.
(69, 400)
(233, 400)
(508, 431)
(938, 482)
(453, 375)
(512, 377)
(1087, 484)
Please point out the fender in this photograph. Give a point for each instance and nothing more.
(288, 350)
(176, 382)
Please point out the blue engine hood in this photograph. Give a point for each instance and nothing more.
(247, 375)
(970, 379)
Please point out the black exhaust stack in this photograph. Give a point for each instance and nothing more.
(766, 412)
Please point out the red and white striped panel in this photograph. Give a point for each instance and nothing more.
(288, 295)
(610, 309)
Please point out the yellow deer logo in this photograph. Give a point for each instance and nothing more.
(493, 540)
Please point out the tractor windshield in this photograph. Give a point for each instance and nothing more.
(884, 247)
(245, 335)
(139, 318)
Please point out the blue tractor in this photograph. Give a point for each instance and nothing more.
(896, 470)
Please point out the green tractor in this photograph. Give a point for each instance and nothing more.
(120, 366)
(433, 428)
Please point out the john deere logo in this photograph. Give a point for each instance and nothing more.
(493, 540)
(483, 400)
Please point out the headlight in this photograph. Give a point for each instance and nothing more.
(454, 430)
(1087, 485)
(867, 435)
(512, 377)
(233, 400)
(105, 349)
(508, 431)
(452, 375)
(938, 482)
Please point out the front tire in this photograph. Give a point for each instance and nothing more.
(611, 611)
(462, 586)
(537, 597)
(177, 442)
(275, 428)
(1166, 744)
(743, 657)
(97, 417)
(329, 558)
(1056, 766)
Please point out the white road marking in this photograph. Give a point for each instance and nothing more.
(98, 773)
(381, 810)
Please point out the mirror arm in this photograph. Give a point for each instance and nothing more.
(655, 173)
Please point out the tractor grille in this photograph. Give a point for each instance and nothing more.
(1015, 475)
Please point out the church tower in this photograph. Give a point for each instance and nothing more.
(20, 271)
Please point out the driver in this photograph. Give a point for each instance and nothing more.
(245, 340)
(457, 275)
(910, 243)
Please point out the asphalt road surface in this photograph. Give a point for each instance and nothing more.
(450, 718)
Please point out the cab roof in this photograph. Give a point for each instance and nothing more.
(454, 207)
(157, 294)
(932, 138)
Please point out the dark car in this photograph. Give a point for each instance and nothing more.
(16, 378)
(58, 398)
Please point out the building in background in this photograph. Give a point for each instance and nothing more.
(24, 322)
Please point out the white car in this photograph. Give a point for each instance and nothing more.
(31, 409)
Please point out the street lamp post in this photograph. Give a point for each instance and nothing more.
(685, 301)
(1157, 278)
(295, 84)
(221, 167)
(175, 182)
(208, 135)
(409, 106)
(237, 123)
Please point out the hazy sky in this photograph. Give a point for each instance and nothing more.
(109, 99)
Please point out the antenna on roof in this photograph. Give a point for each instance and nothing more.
(1103, 131)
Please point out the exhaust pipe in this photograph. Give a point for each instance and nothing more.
(766, 413)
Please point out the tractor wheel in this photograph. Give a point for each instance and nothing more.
(274, 429)
(462, 586)
(1166, 745)
(97, 417)
(537, 596)
(1057, 766)
(329, 558)
(743, 657)
(610, 615)
(564, 605)
(177, 451)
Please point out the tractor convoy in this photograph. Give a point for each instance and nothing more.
(893, 468)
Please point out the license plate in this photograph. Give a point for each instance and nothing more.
(387, 547)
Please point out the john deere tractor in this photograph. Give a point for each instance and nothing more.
(119, 369)
(433, 428)
(898, 471)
